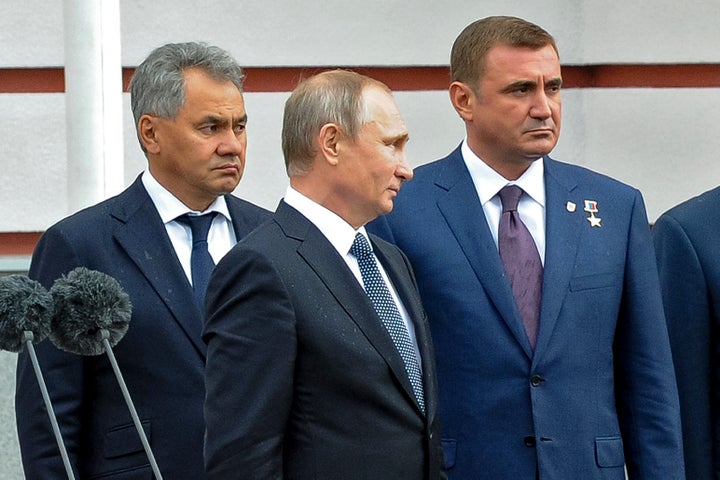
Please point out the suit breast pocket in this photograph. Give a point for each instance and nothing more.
(590, 282)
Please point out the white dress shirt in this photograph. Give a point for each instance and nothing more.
(531, 207)
(221, 237)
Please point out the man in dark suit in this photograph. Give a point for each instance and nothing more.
(542, 297)
(688, 257)
(190, 117)
(308, 376)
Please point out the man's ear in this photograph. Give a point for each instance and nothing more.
(463, 99)
(329, 138)
(148, 133)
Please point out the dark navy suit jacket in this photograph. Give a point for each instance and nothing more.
(688, 254)
(599, 390)
(303, 380)
(162, 357)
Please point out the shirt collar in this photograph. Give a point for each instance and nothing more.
(170, 207)
(488, 182)
(340, 233)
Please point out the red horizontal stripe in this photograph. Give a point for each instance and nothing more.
(18, 243)
(32, 80)
(642, 76)
(284, 79)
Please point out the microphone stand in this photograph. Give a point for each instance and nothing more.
(28, 337)
(105, 335)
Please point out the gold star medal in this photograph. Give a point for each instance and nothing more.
(592, 208)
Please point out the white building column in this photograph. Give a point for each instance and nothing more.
(93, 101)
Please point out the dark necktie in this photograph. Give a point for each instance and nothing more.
(201, 263)
(522, 261)
(388, 312)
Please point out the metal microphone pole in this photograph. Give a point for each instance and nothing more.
(105, 335)
(28, 338)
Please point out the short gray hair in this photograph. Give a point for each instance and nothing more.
(158, 87)
(330, 97)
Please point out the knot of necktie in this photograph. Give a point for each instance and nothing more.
(360, 247)
(510, 197)
(199, 225)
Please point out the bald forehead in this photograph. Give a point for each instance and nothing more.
(382, 111)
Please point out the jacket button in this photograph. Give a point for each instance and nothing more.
(536, 380)
(529, 441)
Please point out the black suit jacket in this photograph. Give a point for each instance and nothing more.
(303, 380)
(161, 357)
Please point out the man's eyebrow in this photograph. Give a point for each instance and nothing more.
(520, 84)
(222, 120)
(404, 137)
(529, 84)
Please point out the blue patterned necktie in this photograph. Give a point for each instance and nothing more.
(388, 312)
(201, 263)
(521, 259)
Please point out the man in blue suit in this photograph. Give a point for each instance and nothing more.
(552, 350)
(688, 257)
(190, 117)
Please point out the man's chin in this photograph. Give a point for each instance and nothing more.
(387, 208)
(227, 186)
(539, 152)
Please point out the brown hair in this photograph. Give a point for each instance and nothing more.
(469, 52)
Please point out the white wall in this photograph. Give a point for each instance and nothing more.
(375, 32)
(653, 139)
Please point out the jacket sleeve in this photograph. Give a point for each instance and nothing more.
(250, 333)
(688, 309)
(63, 374)
(646, 392)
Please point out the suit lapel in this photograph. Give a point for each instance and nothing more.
(562, 234)
(242, 222)
(459, 204)
(144, 239)
(327, 264)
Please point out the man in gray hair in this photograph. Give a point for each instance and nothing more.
(190, 117)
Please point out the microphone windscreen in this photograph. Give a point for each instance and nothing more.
(87, 301)
(25, 305)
